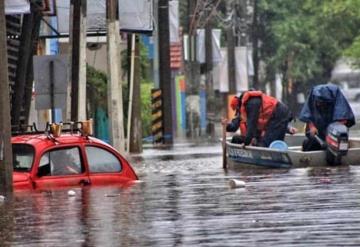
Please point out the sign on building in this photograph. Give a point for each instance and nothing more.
(13, 7)
(135, 15)
(51, 80)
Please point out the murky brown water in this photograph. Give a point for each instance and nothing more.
(185, 200)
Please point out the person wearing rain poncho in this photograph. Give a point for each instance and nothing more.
(325, 105)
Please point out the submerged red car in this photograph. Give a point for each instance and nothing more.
(48, 160)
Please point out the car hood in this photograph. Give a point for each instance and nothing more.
(20, 177)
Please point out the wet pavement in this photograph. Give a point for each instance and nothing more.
(185, 199)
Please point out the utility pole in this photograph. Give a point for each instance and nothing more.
(192, 67)
(209, 80)
(135, 131)
(28, 92)
(156, 44)
(243, 33)
(25, 53)
(231, 49)
(164, 70)
(114, 86)
(6, 164)
(192, 64)
(77, 41)
(230, 57)
(255, 45)
(241, 20)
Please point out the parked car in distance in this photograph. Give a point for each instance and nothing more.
(351, 90)
(56, 158)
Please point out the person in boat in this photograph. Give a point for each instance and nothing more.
(325, 104)
(261, 118)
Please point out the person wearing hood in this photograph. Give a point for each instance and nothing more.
(261, 118)
(325, 104)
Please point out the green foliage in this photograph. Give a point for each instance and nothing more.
(303, 39)
(97, 97)
(351, 10)
(354, 51)
(146, 111)
(144, 61)
(96, 89)
(145, 87)
(145, 92)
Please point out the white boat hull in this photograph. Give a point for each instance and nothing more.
(261, 157)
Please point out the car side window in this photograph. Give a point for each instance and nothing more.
(23, 156)
(64, 161)
(102, 161)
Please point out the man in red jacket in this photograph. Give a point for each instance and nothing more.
(262, 119)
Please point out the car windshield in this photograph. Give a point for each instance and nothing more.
(23, 156)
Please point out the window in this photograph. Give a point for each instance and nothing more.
(101, 160)
(65, 161)
(23, 156)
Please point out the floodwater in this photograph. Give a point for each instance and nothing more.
(184, 199)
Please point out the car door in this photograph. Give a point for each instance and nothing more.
(105, 167)
(61, 167)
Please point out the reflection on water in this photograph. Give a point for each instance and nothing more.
(186, 201)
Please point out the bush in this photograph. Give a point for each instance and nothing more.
(97, 97)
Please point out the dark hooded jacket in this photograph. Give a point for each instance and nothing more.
(326, 104)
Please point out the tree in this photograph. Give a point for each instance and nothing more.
(302, 40)
(351, 10)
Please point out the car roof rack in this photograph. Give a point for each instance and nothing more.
(22, 129)
(53, 130)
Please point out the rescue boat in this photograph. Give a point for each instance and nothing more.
(238, 156)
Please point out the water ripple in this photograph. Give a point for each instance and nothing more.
(187, 201)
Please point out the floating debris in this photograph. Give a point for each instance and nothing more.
(234, 183)
(111, 195)
(71, 193)
(325, 180)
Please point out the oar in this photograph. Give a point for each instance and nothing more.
(320, 141)
(224, 146)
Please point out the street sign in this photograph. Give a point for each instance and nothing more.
(157, 116)
(51, 80)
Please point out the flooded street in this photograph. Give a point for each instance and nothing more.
(184, 199)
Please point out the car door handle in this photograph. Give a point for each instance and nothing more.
(84, 182)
